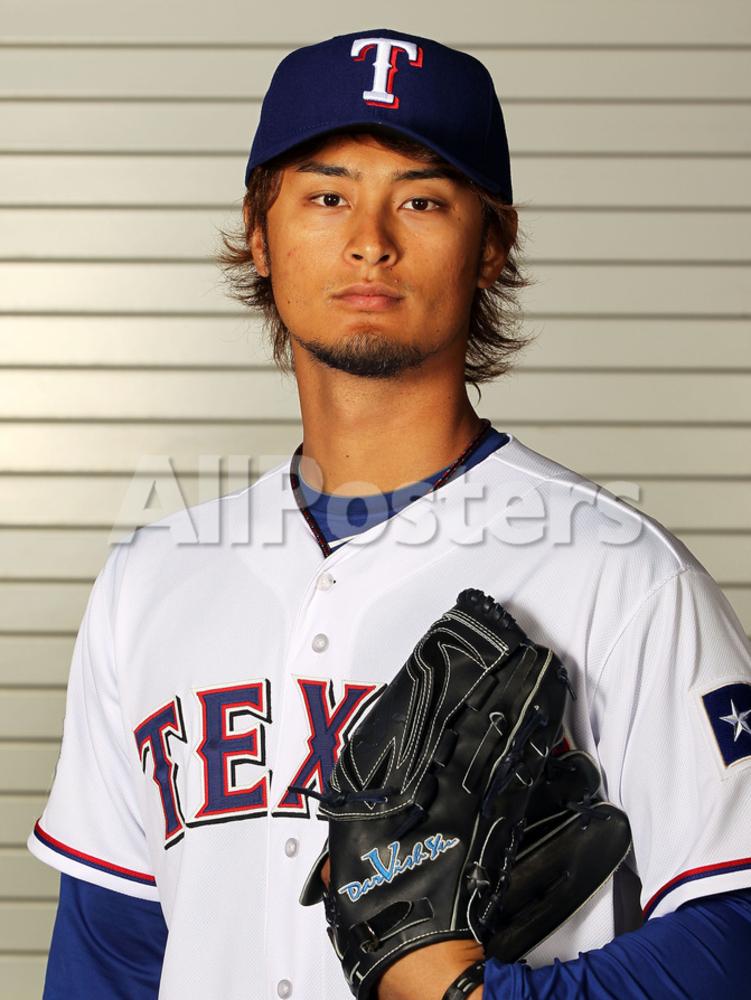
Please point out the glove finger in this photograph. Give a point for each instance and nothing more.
(314, 887)
(555, 877)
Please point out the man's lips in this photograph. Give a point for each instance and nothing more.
(372, 296)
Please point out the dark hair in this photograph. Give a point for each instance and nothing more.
(495, 315)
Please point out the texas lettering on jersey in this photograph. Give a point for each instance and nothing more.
(232, 733)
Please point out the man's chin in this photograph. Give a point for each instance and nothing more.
(367, 353)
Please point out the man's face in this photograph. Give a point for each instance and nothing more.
(358, 213)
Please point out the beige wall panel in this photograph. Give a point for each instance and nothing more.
(117, 288)
(232, 21)
(149, 180)
(122, 448)
(22, 976)
(184, 234)
(36, 660)
(739, 597)
(593, 451)
(58, 554)
(221, 127)
(27, 926)
(574, 73)
(650, 181)
(217, 181)
(27, 767)
(688, 397)
(42, 607)
(205, 74)
(96, 501)
(31, 715)
(620, 342)
(22, 877)
(234, 341)
(635, 236)
(637, 452)
(18, 813)
(147, 394)
(627, 342)
(104, 501)
(714, 505)
(198, 288)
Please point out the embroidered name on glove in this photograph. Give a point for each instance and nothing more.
(426, 850)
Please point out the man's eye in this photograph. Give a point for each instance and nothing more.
(423, 204)
(330, 200)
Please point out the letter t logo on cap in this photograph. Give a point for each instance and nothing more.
(381, 95)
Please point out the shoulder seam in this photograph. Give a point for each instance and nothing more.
(576, 481)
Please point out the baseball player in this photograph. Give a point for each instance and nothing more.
(224, 657)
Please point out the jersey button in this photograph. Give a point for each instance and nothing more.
(326, 581)
(320, 642)
(284, 988)
(290, 848)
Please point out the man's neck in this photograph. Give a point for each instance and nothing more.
(353, 449)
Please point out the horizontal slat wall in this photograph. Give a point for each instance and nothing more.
(123, 366)
(546, 22)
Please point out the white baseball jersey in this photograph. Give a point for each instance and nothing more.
(217, 667)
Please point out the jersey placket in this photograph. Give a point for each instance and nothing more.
(320, 703)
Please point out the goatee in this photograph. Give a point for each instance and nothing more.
(368, 354)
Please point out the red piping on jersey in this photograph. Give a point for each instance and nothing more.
(90, 859)
(721, 868)
(485, 426)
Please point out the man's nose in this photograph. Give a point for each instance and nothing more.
(371, 242)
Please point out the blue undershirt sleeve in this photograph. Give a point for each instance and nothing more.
(105, 945)
(697, 952)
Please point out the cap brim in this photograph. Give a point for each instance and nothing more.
(480, 179)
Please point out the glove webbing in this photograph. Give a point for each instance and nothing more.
(466, 982)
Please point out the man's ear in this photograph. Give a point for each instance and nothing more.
(256, 246)
(498, 243)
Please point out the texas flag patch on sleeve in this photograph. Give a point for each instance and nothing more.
(729, 711)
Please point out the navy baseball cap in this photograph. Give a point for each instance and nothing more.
(439, 96)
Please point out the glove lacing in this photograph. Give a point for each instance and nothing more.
(336, 799)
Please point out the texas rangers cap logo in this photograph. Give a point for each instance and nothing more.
(381, 93)
(729, 711)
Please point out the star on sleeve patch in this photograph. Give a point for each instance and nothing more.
(729, 712)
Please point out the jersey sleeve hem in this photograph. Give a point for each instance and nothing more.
(90, 868)
(724, 876)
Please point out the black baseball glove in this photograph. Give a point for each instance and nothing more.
(428, 803)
